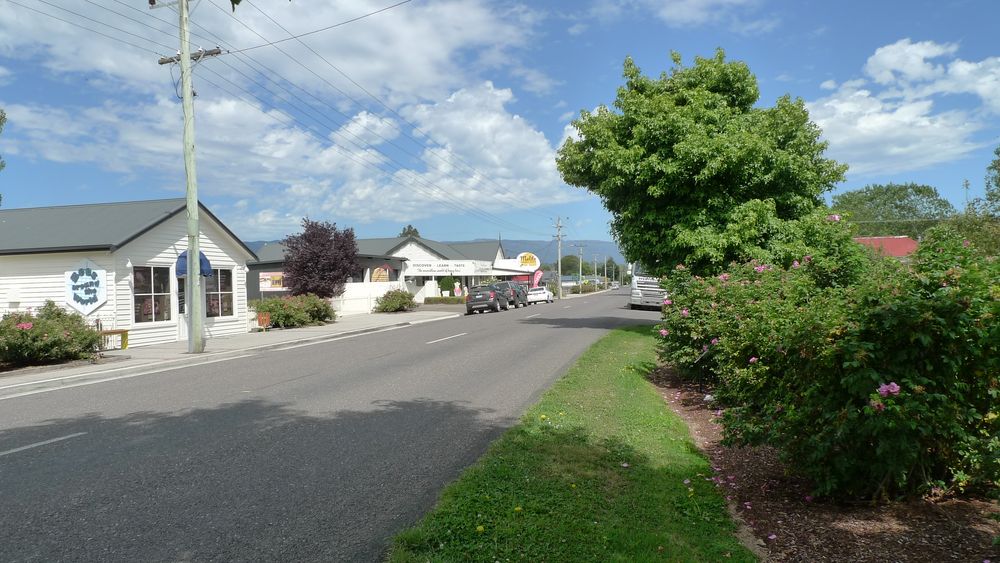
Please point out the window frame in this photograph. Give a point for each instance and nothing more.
(217, 290)
(165, 295)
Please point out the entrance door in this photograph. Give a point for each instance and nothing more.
(182, 319)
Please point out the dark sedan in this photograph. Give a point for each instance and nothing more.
(484, 298)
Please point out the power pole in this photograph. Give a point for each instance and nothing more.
(559, 237)
(579, 280)
(192, 284)
(606, 272)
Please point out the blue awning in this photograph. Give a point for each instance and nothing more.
(182, 265)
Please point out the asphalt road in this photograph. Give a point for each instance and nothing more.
(317, 452)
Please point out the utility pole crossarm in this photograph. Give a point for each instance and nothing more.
(196, 56)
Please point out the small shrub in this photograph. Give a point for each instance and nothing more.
(395, 300)
(447, 283)
(294, 311)
(319, 310)
(53, 335)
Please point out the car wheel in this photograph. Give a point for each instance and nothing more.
(496, 307)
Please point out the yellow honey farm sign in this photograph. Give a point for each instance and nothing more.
(528, 260)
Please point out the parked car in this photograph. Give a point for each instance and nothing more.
(485, 298)
(517, 295)
(615, 285)
(540, 295)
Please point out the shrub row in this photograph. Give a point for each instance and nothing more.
(51, 335)
(873, 380)
(395, 300)
(296, 310)
(444, 300)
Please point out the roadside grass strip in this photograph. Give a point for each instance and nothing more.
(599, 469)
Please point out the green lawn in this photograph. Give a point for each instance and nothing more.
(594, 472)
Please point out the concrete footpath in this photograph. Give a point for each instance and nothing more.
(116, 364)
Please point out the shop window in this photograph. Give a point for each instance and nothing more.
(219, 294)
(151, 293)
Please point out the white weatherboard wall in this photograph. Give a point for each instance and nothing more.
(160, 247)
(27, 281)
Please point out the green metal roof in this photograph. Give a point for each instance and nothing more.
(98, 226)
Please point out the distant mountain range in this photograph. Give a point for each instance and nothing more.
(544, 249)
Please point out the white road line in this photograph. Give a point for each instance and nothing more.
(567, 306)
(328, 340)
(106, 379)
(36, 444)
(447, 338)
(532, 316)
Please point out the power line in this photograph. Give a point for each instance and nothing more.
(447, 201)
(92, 30)
(504, 190)
(322, 29)
(346, 117)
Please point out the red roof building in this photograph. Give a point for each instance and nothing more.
(897, 247)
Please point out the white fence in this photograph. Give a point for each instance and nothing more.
(360, 297)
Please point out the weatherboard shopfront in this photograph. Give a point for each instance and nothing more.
(129, 275)
(468, 273)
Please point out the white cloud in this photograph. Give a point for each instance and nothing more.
(906, 61)
(481, 152)
(876, 136)
(416, 52)
(577, 29)
(691, 12)
(894, 124)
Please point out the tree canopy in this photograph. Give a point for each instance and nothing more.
(320, 259)
(894, 209)
(680, 156)
(409, 231)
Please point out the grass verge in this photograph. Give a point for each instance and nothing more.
(598, 470)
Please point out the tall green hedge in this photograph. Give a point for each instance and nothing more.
(872, 378)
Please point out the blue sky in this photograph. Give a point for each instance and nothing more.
(447, 114)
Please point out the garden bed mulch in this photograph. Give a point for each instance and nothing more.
(789, 525)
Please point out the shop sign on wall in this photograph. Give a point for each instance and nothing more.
(85, 288)
(272, 281)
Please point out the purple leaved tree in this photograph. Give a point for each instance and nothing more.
(320, 259)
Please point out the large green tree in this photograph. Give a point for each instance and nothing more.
(680, 155)
(894, 209)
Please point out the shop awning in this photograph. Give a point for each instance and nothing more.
(182, 265)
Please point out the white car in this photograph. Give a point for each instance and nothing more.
(539, 295)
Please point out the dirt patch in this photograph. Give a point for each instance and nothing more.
(787, 524)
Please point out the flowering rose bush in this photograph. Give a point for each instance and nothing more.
(870, 377)
(53, 335)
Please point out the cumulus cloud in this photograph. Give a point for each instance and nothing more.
(687, 12)
(906, 61)
(891, 121)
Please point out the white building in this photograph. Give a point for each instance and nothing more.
(412, 263)
(118, 263)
